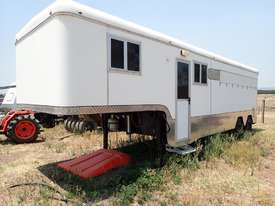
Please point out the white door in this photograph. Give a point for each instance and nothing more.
(182, 102)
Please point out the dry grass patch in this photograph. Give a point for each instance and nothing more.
(243, 154)
(223, 185)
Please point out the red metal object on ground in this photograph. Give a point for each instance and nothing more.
(9, 116)
(96, 163)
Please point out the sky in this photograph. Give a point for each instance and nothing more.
(241, 30)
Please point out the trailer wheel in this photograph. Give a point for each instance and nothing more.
(23, 129)
(249, 122)
(239, 126)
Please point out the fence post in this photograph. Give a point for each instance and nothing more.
(263, 110)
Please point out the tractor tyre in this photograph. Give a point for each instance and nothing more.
(23, 129)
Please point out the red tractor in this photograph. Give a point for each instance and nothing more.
(20, 126)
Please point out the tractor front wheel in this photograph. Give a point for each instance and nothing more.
(23, 129)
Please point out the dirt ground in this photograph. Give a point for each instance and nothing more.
(27, 173)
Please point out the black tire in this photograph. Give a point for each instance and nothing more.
(7, 135)
(239, 126)
(15, 126)
(91, 125)
(49, 123)
(249, 122)
(46, 120)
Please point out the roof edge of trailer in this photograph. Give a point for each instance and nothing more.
(69, 6)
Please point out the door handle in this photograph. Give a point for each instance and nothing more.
(189, 100)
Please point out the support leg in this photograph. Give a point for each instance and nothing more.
(105, 130)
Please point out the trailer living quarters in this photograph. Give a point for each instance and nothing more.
(76, 61)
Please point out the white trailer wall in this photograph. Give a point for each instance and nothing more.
(236, 90)
(66, 64)
(40, 66)
(155, 84)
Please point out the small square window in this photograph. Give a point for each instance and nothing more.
(197, 73)
(132, 56)
(203, 74)
(117, 54)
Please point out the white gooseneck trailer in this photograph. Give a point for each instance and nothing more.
(77, 61)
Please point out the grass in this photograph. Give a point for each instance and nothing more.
(223, 171)
(133, 183)
(137, 183)
(241, 151)
(148, 181)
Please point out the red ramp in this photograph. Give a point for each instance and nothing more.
(96, 163)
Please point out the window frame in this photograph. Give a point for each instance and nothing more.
(123, 43)
(200, 83)
(204, 83)
(125, 59)
(179, 60)
(194, 75)
(127, 49)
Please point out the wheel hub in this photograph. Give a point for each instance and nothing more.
(25, 129)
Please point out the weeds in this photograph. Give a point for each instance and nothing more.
(243, 154)
(214, 146)
(45, 196)
(148, 181)
(237, 150)
(139, 181)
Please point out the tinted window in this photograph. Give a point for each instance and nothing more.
(133, 56)
(117, 54)
(197, 73)
(183, 89)
(203, 74)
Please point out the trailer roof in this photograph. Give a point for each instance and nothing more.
(69, 6)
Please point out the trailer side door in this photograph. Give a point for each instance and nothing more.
(182, 102)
